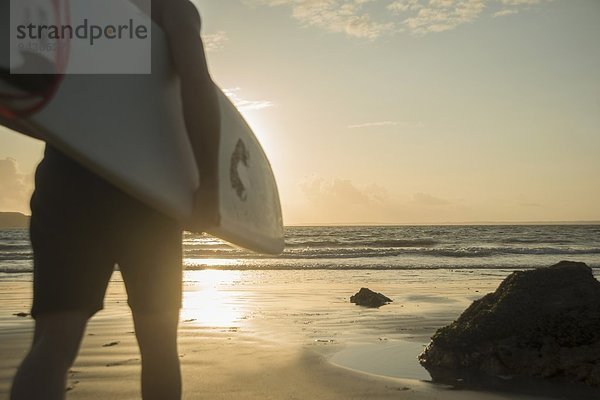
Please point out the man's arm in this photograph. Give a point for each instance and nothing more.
(181, 22)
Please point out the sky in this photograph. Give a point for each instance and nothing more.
(405, 111)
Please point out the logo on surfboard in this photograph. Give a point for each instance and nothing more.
(238, 170)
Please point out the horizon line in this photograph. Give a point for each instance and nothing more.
(442, 223)
(464, 223)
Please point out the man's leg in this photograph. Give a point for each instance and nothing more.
(149, 258)
(43, 373)
(157, 337)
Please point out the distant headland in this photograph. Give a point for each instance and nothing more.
(13, 220)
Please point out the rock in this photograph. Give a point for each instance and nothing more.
(542, 323)
(368, 298)
(21, 314)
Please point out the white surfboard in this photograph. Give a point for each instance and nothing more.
(130, 130)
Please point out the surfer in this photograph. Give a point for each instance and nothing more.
(81, 226)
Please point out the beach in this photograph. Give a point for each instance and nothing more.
(260, 327)
(268, 334)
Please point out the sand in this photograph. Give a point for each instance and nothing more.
(271, 335)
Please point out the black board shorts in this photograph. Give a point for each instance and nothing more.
(81, 227)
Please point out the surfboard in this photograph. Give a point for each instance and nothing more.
(129, 129)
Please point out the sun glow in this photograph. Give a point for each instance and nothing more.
(213, 302)
(263, 129)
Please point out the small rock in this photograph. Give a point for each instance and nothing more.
(368, 298)
(21, 314)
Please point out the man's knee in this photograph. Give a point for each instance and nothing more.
(156, 332)
(59, 335)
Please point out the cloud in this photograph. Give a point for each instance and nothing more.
(340, 200)
(527, 202)
(400, 6)
(373, 124)
(339, 192)
(243, 104)
(215, 41)
(535, 205)
(427, 199)
(444, 15)
(15, 187)
(403, 124)
(339, 16)
(520, 2)
(505, 12)
(371, 19)
(511, 6)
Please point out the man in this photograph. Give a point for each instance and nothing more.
(81, 226)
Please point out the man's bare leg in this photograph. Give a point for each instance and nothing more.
(157, 338)
(43, 373)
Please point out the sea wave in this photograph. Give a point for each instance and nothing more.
(536, 241)
(373, 267)
(16, 270)
(363, 243)
(16, 256)
(375, 252)
(14, 246)
(383, 247)
(12, 271)
(372, 249)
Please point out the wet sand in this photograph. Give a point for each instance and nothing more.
(272, 335)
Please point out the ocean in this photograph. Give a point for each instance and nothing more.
(481, 247)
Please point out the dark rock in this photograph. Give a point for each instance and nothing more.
(542, 323)
(21, 314)
(368, 298)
